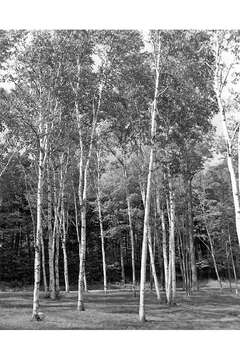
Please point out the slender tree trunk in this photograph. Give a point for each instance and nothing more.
(83, 174)
(164, 240)
(82, 189)
(37, 259)
(82, 257)
(101, 225)
(56, 231)
(186, 262)
(65, 259)
(228, 267)
(234, 183)
(145, 240)
(152, 262)
(172, 268)
(148, 193)
(56, 264)
(130, 230)
(181, 261)
(44, 269)
(122, 263)
(169, 283)
(233, 264)
(80, 305)
(84, 280)
(151, 254)
(213, 256)
(51, 242)
(191, 240)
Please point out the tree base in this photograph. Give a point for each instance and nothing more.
(142, 319)
(38, 316)
(81, 307)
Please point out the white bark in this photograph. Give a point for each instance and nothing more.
(148, 194)
(44, 268)
(164, 240)
(51, 242)
(233, 264)
(37, 259)
(171, 267)
(130, 229)
(152, 261)
(65, 259)
(38, 240)
(218, 90)
(101, 225)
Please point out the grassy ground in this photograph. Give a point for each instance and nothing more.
(207, 309)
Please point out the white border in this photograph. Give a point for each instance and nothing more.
(124, 14)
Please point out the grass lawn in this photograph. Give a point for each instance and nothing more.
(207, 309)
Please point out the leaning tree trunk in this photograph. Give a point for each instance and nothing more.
(152, 262)
(228, 267)
(235, 186)
(145, 238)
(181, 261)
(148, 193)
(213, 256)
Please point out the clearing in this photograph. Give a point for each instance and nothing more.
(206, 309)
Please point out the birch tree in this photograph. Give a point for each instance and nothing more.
(226, 45)
(157, 55)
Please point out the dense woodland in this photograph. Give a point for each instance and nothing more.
(120, 158)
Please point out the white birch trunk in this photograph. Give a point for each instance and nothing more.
(164, 240)
(213, 256)
(44, 268)
(151, 254)
(233, 264)
(172, 269)
(83, 175)
(65, 259)
(191, 240)
(38, 240)
(122, 263)
(148, 195)
(37, 259)
(235, 184)
(152, 261)
(130, 229)
(101, 225)
(51, 246)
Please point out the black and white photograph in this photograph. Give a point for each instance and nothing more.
(119, 178)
